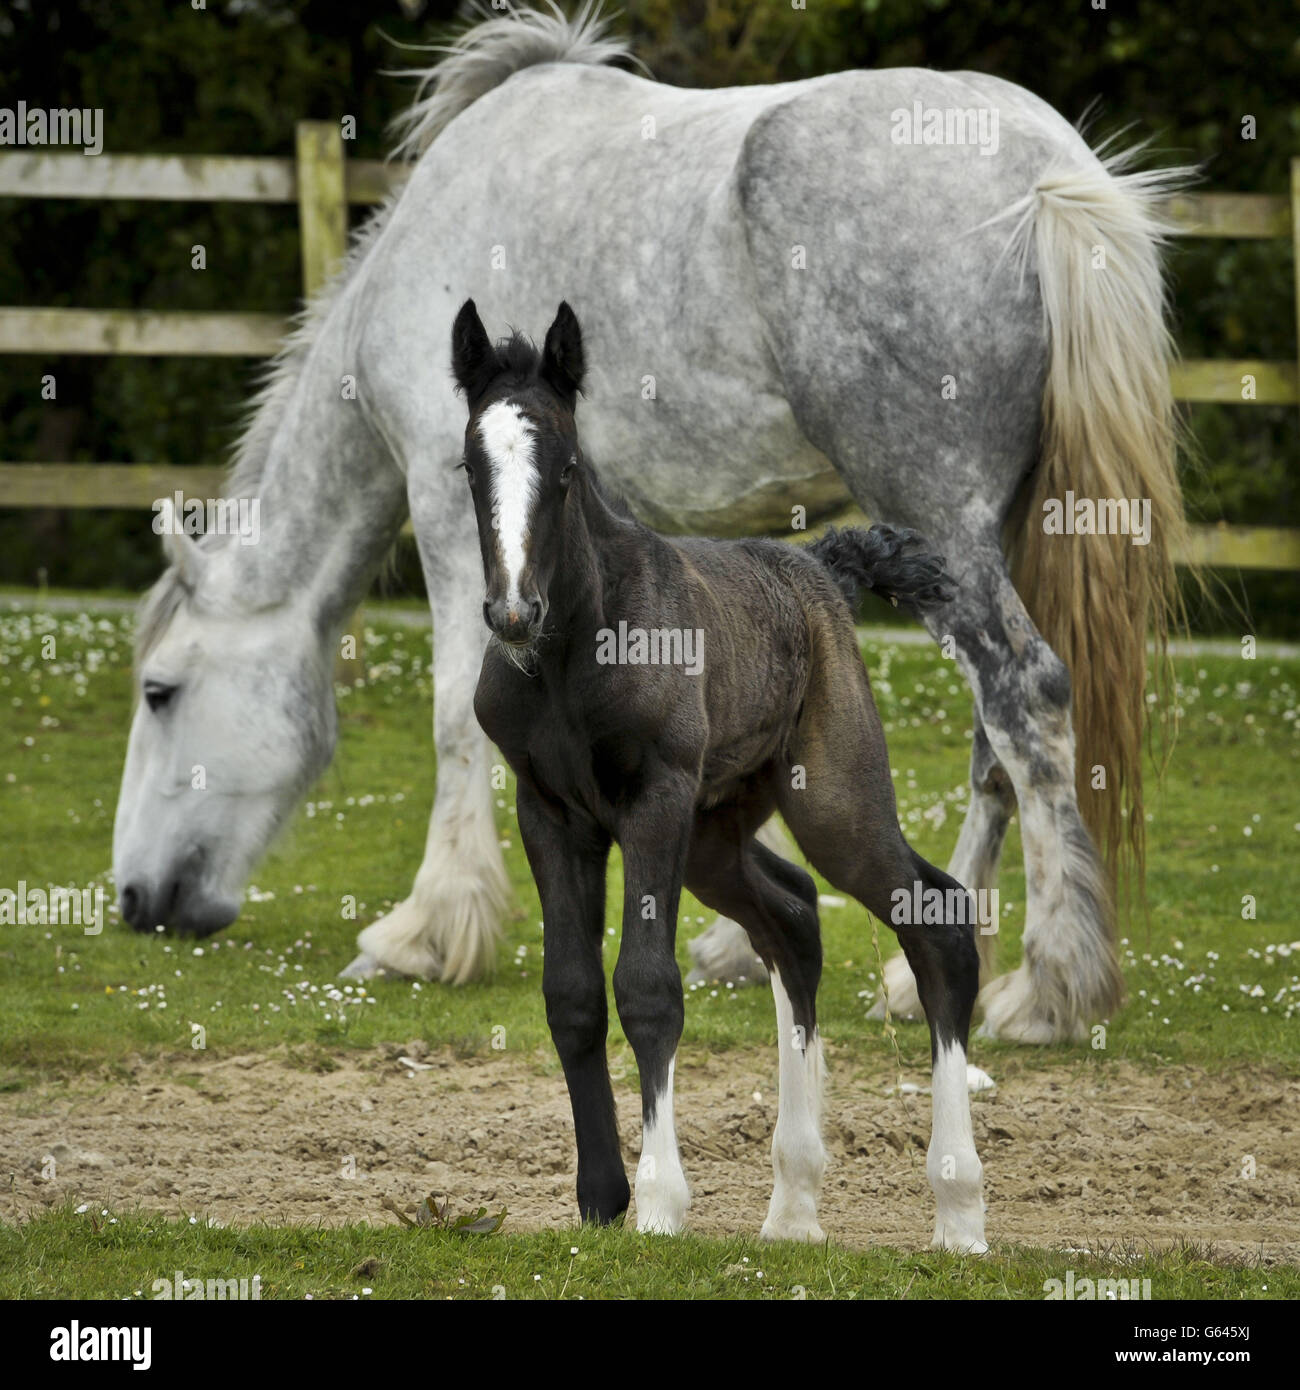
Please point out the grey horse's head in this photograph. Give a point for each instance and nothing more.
(234, 719)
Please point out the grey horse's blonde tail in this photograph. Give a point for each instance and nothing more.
(1109, 432)
(491, 48)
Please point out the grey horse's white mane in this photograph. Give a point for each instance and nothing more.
(262, 416)
(495, 45)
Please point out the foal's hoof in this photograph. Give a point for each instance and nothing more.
(662, 1200)
(971, 1243)
(723, 952)
(659, 1224)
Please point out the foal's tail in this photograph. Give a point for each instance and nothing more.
(887, 561)
(1109, 431)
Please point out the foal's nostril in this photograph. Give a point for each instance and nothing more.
(513, 621)
(498, 616)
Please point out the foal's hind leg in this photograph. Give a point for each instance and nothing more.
(776, 903)
(974, 863)
(840, 807)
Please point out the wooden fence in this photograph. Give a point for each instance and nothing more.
(322, 183)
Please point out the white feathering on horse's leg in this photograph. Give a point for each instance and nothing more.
(1068, 960)
(449, 927)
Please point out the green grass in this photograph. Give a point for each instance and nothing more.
(70, 1254)
(1207, 986)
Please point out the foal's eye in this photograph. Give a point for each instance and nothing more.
(469, 472)
(157, 695)
(567, 472)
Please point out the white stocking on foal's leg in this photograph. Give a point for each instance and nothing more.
(798, 1157)
(952, 1165)
(662, 1196)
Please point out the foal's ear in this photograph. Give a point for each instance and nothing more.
(563, 362)
(474, 360)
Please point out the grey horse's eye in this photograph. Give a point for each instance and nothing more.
(157, 695)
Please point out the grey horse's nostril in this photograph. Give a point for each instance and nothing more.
(134, 906)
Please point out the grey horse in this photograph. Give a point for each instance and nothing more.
(919, 291)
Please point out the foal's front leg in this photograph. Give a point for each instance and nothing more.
(648, 990)
(568, 858)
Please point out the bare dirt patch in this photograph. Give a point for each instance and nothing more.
(1079, 1156)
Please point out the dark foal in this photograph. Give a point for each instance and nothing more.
(670, 696)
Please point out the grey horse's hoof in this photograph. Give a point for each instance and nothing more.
(366, 967)
(722, 953)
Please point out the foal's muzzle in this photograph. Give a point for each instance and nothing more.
(516, 622)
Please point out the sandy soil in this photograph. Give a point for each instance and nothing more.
(1080, 1156)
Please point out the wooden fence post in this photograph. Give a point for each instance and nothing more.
(323, 229)
(1295, 244)
(322, 202)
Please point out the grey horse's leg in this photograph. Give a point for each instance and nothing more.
(449, 926)
(974, 863)
(722, 951)
(1070, 975)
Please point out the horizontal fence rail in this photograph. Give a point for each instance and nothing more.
(140, 333)
(251, 179)
(322, 183)
(138, 486)
(181, 178)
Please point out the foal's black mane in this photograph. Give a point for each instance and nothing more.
(520, 362)
(520, 359)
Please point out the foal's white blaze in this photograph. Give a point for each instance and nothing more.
(798, 1158)
(952, 1164)
(508, 440)
(661, 1192)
